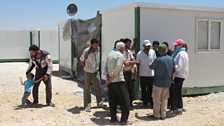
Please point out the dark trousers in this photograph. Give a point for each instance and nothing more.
(118, 94)
(40, 73)
(176, 94)
(25, 99)
(146, 89)
(170, 98)
(88, 79)
(130, 85)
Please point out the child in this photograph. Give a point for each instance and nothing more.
(28, 84)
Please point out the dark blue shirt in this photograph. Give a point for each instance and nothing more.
(164, 68)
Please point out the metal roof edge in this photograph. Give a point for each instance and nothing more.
(162, 6)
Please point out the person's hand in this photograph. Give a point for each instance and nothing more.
(172, 82)
(83, 63)
(45, 77)
(173, 78)
(107, 82)
(126, 63)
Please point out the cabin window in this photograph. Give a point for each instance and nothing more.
(208, 35)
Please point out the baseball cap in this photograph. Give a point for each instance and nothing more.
(147, 43)
(179, 42)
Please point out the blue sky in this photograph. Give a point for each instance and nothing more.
(46, 14)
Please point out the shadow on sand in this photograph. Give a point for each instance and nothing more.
(75, 110)
(18, 107)
(101, 118)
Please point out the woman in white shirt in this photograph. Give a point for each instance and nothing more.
(181, 60)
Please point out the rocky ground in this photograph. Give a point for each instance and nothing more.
(207, 110)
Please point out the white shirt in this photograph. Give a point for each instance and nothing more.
(92, 62)
(114, 66)
(144, 62)
(181, 65)
(45, 61)
(128, 56)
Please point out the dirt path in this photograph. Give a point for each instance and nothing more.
(68, 111)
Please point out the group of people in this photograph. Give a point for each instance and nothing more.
(161, 70)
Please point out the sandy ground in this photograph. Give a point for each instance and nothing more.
(205, 110)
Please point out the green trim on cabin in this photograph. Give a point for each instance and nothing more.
(21, 60)
(137, 28)
(137, 92)
(14, 60)
(55, 61)
(38, 33)
(202, 90)
(31, 38)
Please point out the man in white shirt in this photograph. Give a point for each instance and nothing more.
(145, 58)
(117, 90)
(90, 60)
(129, 58)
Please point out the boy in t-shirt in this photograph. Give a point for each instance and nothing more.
(28, 84)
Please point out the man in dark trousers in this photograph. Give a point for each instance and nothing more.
(90, 60)
(129, 58)
(117, 90)
(42, 61)
(144, 58)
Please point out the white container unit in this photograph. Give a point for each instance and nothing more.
(14, 46)
(47, 40)
(65, 51)
(200, 27)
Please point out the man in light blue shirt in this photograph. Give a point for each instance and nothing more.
(117, 90)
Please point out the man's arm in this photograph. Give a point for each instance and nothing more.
(154, 64)
(132, 59)
(137, 62)
(50, 65)
(49, 68)
(106, 74)
(30, 67)
(83, 59)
